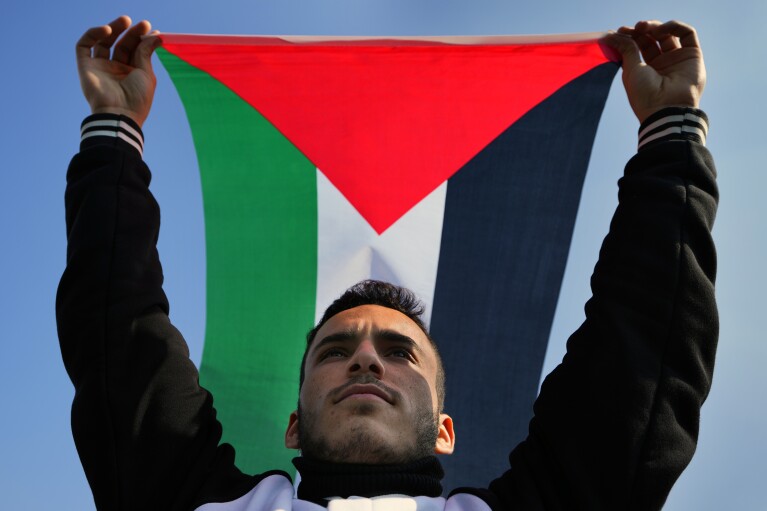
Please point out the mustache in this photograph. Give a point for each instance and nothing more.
(365, 379)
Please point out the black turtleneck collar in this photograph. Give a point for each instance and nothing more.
(320, 479)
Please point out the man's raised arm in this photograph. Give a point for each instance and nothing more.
(145, 431)
(617, 421)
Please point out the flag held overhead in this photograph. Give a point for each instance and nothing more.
(452, 166)
(402, 116)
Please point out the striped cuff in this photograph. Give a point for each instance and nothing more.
(674, 123)
(111, 129)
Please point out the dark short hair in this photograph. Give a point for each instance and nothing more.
(376, 292)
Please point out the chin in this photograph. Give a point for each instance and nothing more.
(364, 432)
(359, 443)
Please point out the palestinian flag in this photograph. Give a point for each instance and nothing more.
(452, 166)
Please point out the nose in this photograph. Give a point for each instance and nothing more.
(366, 360)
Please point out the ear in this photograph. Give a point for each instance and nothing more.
(446, 436)
(291, 434)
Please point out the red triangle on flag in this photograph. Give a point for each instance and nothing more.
(387, 121)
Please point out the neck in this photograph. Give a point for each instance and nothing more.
(321, 479)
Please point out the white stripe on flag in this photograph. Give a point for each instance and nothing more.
(349, 250)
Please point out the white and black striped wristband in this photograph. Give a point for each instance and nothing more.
(112, 129)
(674, 123)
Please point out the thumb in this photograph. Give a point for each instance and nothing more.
(626, 46)
(143, 56)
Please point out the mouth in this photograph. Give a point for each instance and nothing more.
(365, 391)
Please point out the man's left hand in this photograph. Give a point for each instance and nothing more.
(662, 65)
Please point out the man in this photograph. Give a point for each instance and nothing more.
(614, 425)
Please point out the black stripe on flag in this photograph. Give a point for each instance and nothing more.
(509, 218)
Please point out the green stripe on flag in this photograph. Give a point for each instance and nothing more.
(261, 268)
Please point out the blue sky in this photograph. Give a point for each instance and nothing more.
(42, 108)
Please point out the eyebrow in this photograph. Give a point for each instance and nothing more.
(353, 335)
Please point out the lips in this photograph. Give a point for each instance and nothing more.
(362, 389)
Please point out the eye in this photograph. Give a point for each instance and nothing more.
(400, 353)
(333, 353)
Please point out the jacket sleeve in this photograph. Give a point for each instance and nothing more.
(617, 421)
(146, 432)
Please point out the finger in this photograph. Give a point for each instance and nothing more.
(118, 26)
(142, 57)
(648, 46)
(124, 49)
(669, 43)
(626, 30)
(626, 46)
(688, 37)
(89, 39)
(645, 26)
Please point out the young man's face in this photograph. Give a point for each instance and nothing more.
(369, 392)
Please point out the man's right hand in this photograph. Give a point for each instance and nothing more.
(123, 84)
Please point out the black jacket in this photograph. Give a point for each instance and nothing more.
(615, 423)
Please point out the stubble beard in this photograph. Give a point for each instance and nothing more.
(361, 445)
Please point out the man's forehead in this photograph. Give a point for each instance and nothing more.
(371, 319)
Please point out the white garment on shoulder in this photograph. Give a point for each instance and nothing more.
(275, 493)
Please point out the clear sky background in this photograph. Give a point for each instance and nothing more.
(42, 107)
